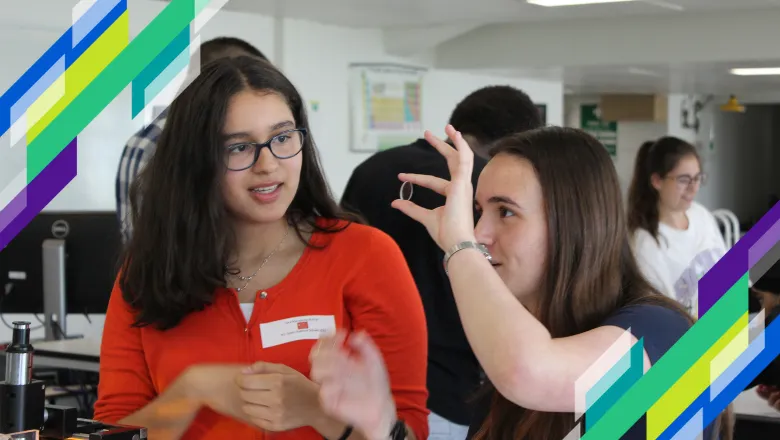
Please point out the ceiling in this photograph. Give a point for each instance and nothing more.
(399, 14)
(392, 13)
(704, 78)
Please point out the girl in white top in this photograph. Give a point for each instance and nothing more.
(675, 239)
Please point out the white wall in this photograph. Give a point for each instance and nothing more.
(630, 136)
(314, 56)
(316, 60)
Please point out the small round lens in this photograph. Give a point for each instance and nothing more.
(407, 189)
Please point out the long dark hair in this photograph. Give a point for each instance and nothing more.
(591, 270)
(182, 238)
(660, 158)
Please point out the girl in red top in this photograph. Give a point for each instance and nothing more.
(240, 260)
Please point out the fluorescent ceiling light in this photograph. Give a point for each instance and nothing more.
(573, 2)
(756, 71)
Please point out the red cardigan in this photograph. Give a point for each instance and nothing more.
(360, 279)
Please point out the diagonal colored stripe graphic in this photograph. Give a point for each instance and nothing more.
(693, 429)
(61, 48)
(665, 373)
(109, 83)
(154, 70)
(736, 262)
(91, 18)
(683, 422)
(743, 379)
(42, 190)
(13, 199)
(45, 82)
(762, 246)
(754, 348)
(81, 73)
(87, 90)
(626, 380)
(602, 374)
(685, 390)
(674, 364)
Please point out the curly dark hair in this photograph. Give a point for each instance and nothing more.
(493, 112)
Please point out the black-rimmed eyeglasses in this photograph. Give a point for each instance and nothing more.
(285, 145)
(686, 180)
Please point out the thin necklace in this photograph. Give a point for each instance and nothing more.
(249, 278)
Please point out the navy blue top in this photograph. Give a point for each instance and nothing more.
(660, 327)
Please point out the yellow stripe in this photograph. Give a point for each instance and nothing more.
(695, 380)
(732, 351)
(85, 69)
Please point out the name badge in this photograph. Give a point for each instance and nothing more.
(296, 329)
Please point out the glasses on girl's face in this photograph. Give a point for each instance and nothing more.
(686, 180)
(284, 145)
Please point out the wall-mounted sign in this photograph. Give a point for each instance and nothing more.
(605, 132)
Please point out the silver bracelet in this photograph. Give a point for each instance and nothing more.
(465, 245)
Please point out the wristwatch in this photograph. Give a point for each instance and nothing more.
(465, 245)
(399, 431)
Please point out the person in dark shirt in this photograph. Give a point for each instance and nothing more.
(483, 117)
(545, 285)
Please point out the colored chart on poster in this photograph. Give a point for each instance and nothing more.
(386, 106)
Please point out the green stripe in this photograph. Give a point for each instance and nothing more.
(110, 83)
(619, 387)
(673, 365)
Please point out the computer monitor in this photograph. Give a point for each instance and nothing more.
(92, 251)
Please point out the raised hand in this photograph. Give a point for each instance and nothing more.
(452, 223)
(354, 384)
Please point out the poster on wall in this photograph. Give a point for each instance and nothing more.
(385, 106)
(605, 132)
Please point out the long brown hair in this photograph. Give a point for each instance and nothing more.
(591, 271)
(659, 157)
(182, 238)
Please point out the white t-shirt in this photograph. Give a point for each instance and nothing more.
(675, 266)
(246, 309)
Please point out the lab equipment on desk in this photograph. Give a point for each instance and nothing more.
(24, 413)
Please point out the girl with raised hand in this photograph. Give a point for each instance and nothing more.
(545, 284)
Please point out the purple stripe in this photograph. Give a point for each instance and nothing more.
(735, 264)
(46, 185)
(764, 244)
(13, 209)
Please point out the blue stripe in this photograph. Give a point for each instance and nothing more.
(61, 47)
(725, 397)
(98, 30)
(680, 422)
(754, 349)
(90, 19)
(692, 429)
(40, 86)
(30, 77)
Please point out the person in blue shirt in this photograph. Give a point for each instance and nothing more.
(545, 284)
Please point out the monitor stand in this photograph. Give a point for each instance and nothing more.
(54, 301)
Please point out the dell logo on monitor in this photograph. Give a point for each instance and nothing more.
(60, 229)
